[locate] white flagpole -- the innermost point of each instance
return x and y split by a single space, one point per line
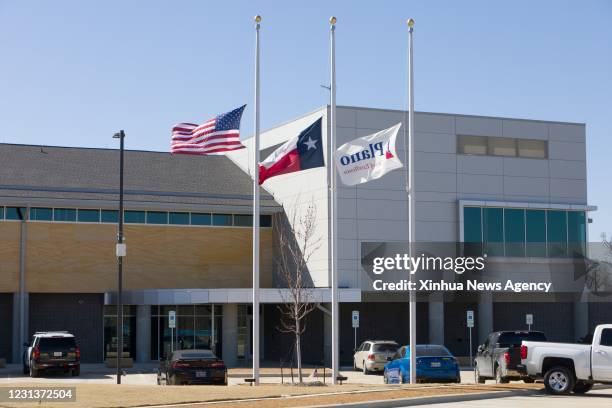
410 188
255 334
335 335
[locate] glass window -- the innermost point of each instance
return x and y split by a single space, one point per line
157 217
502 146
493 231
134 217
576 234
1 213
89 215
110 216
556 229
179 218
472 144
200 219
243 220
535 221
534 149
472 230
15 213
606 338
265 221
222 219
64 214
514 231
41 214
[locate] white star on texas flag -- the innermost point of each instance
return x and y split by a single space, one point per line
312 144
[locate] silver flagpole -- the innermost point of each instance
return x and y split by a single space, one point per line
411 201
335 340
255 339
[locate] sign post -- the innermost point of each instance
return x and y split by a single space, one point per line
529 320
470 325
172 326
355 321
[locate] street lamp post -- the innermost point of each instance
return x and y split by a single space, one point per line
120 252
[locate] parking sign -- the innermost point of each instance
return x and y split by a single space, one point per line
529 319
172 319
355 318
470 318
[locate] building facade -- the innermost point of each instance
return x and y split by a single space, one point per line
514 189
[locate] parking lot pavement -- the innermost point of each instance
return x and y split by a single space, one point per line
142 374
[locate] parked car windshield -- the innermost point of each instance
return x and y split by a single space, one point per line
516 338
432 351
385 347
56 343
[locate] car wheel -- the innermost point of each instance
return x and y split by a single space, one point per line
26 370
365 369
582 387
385 379
559 381
477 378
33 371
499 378
355 365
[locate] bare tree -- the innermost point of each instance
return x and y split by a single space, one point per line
297 243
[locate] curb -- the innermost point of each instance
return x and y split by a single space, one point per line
441 399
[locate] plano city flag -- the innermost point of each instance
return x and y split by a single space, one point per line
368 157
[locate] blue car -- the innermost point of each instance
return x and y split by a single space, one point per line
434 364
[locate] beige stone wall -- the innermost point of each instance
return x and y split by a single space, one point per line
81 257
9 256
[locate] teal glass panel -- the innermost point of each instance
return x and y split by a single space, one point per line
89 215
243 220
157 217
200 219
111 216
15 213
535 221
179 218
472 231
556 233
1 213
576 234
64 214
493 231
514 231
134 217
41 214
222 219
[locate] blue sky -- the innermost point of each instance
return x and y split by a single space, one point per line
73 72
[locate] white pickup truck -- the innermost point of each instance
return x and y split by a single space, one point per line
568 367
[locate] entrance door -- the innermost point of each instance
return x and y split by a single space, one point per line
249 349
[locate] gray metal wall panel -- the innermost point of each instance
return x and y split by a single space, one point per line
79 313
6 333
555 319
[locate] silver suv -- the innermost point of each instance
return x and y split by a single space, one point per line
372 355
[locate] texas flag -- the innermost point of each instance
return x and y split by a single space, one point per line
304 151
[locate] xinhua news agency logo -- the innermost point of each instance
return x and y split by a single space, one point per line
373 150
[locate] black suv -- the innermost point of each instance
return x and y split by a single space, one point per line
52 351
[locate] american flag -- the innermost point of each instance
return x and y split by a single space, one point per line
215 136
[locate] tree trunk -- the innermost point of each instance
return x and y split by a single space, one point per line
298 350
